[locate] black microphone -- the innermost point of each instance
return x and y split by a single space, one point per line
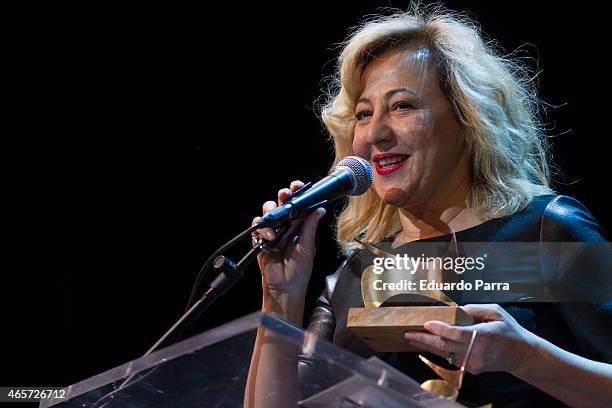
352 176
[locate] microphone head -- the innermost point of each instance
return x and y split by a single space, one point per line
361 171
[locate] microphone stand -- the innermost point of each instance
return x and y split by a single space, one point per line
229 274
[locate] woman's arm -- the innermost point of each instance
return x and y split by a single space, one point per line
574 380
504 345
273 380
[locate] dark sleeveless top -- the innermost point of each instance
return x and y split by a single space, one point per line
581 328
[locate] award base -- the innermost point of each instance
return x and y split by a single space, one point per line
383 328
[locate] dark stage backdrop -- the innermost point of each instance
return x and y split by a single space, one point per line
148 134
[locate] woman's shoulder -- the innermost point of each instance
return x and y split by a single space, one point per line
563 219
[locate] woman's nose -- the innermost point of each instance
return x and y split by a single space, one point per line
379 132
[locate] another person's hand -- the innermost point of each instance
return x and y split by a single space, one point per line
502 343
285 274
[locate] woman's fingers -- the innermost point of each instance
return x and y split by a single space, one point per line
267 233
455 348
494 349
268 206
296 185
286 193
309 227
454 333
485 313
283 195
441 345
255 235
438 345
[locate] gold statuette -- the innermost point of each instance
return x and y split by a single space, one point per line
389 312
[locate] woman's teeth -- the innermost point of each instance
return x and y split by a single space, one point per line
390 161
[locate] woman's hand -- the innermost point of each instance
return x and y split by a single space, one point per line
501 345
285 274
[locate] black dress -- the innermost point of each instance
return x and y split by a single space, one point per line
582 328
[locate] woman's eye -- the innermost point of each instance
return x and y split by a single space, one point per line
362 115
402 106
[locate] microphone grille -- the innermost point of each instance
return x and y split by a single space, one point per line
361 170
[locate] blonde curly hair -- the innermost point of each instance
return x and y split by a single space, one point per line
493 97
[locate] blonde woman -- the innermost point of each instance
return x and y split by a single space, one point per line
451 129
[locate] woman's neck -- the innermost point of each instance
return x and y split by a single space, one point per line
450 213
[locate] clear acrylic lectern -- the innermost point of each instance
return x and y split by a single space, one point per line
211 369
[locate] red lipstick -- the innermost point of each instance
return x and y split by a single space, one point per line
387 163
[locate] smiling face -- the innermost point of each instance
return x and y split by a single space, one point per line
408 131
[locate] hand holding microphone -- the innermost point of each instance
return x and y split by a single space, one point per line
286 271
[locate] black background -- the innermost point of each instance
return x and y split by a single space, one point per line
148 134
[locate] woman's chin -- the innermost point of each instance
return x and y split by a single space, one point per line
395 197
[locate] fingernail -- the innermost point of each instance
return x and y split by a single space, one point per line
409 336
432 323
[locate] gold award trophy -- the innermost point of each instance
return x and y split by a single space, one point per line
388 314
